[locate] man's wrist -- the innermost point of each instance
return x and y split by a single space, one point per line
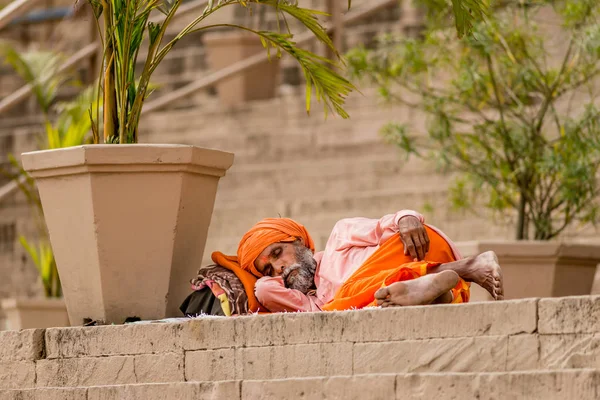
401 216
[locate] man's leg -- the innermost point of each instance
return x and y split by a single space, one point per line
431 288
482 269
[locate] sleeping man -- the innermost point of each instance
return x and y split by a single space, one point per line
397 260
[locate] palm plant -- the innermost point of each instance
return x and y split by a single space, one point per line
126 23
71 127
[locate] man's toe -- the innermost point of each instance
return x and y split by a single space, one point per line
382 293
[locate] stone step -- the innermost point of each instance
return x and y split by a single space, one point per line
580 384
519 335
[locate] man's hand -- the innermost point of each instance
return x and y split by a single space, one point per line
414 237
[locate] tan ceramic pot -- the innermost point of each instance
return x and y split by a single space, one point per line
541 269
127 223
34 313
257 83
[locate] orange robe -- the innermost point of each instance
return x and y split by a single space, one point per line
388 265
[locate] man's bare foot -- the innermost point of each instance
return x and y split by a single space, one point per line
446 298
485 271
418 291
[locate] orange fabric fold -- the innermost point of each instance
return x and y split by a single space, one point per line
265 233
248 280
388 265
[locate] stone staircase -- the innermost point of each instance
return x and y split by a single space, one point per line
523 349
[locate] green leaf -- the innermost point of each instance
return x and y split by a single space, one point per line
467 13
97 7
495 113
40 69
330 87
153 31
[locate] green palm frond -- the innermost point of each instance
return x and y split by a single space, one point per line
73 124
467 13
40 69
43 259
330 88
126 23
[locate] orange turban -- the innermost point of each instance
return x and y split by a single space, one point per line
264 234
258 238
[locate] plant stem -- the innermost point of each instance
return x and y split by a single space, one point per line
110 110
521 220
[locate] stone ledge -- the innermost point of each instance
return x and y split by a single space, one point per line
27 345
17 374
113 340
476 354
179 391
467 355
502 336
92 371
578 314
370 325
580 384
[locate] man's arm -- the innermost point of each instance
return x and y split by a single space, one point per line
365 232
272 293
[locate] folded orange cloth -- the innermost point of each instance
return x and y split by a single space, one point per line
388 265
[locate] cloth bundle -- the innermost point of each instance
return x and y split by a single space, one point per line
224 285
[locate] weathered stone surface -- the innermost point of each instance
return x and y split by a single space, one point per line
45 394
433 355
305 389
112 340
74 372
297 328
210 333
342 388
556 385
523 353
181 391
360 387
570 351
546 385
580 314
372 325
502 318
447 321
17 374
26 345
210 365
158 368
303 360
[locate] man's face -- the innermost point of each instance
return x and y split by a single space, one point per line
292 261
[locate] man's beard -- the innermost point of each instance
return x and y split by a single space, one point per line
305 266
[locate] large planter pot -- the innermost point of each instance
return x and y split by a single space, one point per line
127 223
257 83
34 313
541 269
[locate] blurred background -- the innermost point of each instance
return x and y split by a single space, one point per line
313 168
